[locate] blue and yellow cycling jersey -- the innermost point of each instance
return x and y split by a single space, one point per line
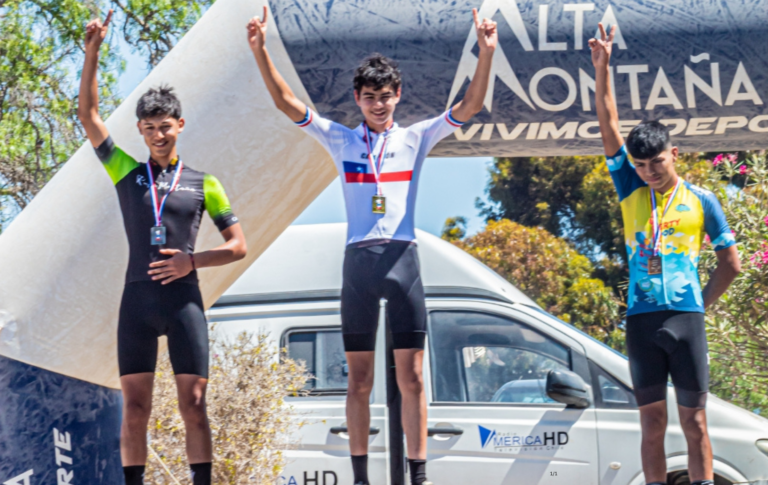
693 212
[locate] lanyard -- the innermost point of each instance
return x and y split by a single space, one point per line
157 208
656 221
382 154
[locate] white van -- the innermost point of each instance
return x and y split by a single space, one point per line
498 371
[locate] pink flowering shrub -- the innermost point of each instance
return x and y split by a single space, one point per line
760 258
738 322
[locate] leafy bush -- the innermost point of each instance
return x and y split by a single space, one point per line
250 422
738 330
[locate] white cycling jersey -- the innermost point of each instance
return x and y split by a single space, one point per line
406 150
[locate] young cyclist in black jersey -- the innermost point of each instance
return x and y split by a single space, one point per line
381 260
665 219
162 202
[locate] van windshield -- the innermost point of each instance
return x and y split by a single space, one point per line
580 331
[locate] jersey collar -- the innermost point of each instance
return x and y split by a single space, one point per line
360 130
156 166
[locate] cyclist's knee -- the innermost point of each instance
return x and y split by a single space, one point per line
654 420
136 411
694 424
410 382
360 383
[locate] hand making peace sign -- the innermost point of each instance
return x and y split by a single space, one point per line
257 31
95 32
487 35
601 49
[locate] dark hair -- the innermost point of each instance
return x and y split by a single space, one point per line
648 139
158 101
377 71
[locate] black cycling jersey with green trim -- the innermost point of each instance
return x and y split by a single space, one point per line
196 191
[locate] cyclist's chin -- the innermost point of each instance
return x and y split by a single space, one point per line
161 151
656 183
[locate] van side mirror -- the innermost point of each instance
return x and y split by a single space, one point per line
568 388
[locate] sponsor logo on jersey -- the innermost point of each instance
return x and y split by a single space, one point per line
141 180
645 284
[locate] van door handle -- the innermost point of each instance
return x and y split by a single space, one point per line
451 431
343 429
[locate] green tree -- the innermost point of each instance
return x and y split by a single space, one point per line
550 271
153 27
536 191
38 124
455 228
40 57
738 322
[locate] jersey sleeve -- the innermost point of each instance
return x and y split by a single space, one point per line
330 134
435 129
217 203
117 163
715 224
623 173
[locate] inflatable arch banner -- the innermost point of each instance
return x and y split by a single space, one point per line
700 67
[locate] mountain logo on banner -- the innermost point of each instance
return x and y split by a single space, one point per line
501 67
22 479
486 435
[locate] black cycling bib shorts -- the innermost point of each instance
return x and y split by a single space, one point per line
389 270
667 344
148 308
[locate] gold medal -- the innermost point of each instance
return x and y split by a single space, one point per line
379 204
654 265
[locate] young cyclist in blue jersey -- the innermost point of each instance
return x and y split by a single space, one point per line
379 163
162 203
665 220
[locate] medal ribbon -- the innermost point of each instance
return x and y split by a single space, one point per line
656 220
157 208
382 154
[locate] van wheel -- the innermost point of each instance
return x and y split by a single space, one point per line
681 478
678 478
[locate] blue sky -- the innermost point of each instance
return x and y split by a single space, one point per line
448 186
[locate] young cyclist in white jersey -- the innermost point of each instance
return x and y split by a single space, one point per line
379 163
665 219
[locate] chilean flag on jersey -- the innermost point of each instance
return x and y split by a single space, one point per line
357 173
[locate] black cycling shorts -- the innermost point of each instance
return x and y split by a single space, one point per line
669 343
149 310
388 270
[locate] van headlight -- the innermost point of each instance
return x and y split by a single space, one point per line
762 445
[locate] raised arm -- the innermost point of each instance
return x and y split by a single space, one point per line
281 93
487 38
607 114
88 106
